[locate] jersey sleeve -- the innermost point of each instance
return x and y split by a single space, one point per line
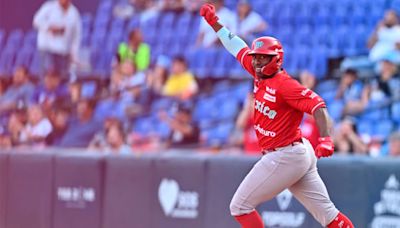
245 60
301 98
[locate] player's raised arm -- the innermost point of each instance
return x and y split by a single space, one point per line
231 42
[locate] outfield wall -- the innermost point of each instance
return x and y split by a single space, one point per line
176 190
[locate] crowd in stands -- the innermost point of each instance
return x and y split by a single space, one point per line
153 101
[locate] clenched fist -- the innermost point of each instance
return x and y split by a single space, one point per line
208 12
325 147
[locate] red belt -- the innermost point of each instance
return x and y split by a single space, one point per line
296 142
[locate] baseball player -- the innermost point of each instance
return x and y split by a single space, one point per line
289 160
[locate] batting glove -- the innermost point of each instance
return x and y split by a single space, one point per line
208 12
325 147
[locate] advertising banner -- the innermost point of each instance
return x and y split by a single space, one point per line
78 189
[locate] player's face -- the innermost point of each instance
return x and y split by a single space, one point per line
259 61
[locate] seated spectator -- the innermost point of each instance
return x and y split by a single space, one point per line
82 127
385 40
51 90
347 139
157 76
59 119
37 128
351 92
15 126
181 83
207 37
309 127
248 22
193 6
184 132
74 92
111 139
387 84
135 51
5 141
19 93
176 6
394 144
244 135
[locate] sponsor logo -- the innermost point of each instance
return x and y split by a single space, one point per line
76 197
270 90
310 93
264 109
259 44
264 132
176 203
269 97
387 210
284 218
231 35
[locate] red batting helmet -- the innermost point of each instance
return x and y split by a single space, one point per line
267 45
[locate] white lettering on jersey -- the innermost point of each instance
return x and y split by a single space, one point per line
264 109
311 95
264 132
269 97
270 90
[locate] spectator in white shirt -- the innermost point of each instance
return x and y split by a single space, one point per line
37 128
385 40
248 22
59 34
207 37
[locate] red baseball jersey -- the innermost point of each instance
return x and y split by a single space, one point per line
279 105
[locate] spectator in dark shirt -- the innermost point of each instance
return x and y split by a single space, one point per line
59 119
83 127
184 132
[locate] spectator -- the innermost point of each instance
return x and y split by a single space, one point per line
59 35
15 126
309 127
352 92
245 135
37 128
385 40
181 83
193 6
5 141
176 6
59 120
248 22
100 138
51 90
388 84
135 51
347 139
207 37
157 76
184 132
82 127
394 144
19 93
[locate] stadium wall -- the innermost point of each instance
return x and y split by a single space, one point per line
81 190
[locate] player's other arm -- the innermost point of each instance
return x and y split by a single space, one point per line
231 42
325 147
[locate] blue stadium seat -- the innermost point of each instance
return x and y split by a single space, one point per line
219 135
201 61
318 63
383 129
2 37
396 112
144 126
364 128
228 109
375 111
134 22
335 109
327 85
14 40
205 109
223 62
7 61
34 67
24 57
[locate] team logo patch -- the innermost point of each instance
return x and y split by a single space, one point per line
259 44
